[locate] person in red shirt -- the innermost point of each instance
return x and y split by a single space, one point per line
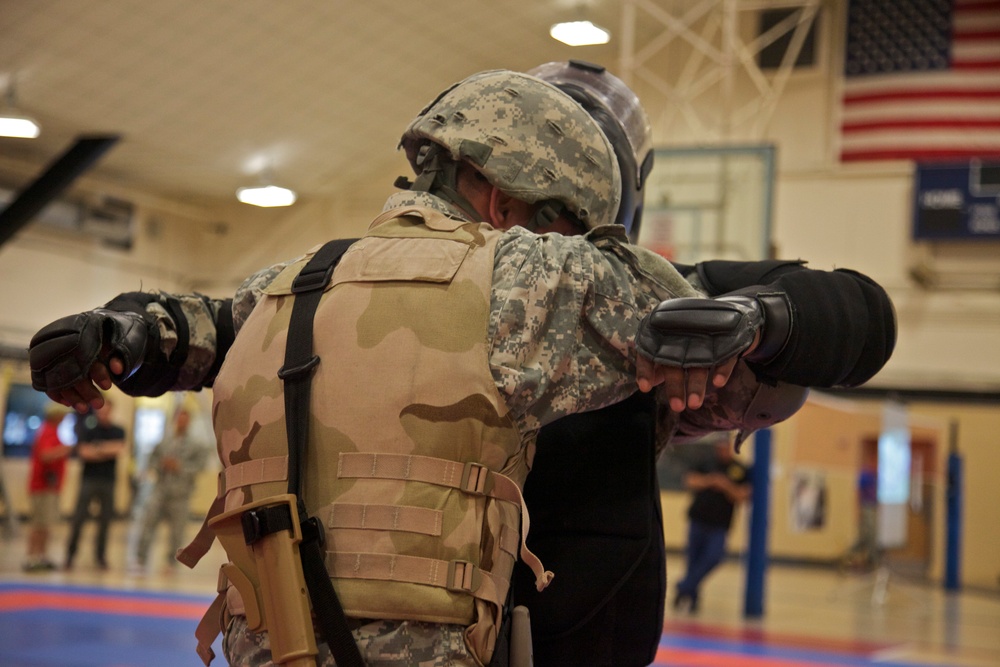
48 465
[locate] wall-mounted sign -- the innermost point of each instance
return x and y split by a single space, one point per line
957 201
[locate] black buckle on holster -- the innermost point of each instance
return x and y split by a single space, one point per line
312 531
264 521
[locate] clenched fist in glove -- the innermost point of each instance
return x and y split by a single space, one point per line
69 356
704 336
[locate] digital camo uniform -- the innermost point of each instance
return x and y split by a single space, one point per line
385 643
548 149
171 496
443 275
545 320
718 413
201 314
521 266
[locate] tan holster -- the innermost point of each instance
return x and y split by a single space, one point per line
266 569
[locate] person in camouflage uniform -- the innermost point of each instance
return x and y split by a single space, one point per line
561 311
175 462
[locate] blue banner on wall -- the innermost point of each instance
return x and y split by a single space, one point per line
957 201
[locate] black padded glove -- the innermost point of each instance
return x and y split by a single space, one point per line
61 353
699 333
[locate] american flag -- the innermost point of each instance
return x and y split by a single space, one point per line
922 80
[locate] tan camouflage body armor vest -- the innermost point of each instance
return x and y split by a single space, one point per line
413 466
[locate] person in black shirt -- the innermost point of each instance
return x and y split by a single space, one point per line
593 493
98 448
719 486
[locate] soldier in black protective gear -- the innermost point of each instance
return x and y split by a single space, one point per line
596 514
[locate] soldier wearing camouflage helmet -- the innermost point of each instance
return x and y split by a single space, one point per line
534 150
444 339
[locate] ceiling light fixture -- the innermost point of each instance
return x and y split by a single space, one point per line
579 33
14 123
266 196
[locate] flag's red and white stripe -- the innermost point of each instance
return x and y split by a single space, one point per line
939 114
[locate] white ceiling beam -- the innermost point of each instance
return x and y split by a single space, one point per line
717 58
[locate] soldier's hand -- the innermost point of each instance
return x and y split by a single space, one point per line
74 356
690 345
685 387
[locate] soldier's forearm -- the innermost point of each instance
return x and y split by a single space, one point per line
195 332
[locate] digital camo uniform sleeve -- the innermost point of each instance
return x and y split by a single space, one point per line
194 331
201 315
564 314
250 291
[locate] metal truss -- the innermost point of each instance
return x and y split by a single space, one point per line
714 60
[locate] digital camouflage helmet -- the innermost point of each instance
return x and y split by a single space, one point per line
527 138
617 109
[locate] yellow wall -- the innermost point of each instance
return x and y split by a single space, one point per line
978 444
827 435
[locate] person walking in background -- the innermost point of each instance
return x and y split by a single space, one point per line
864 553
98 448
175 463
719 486
48 467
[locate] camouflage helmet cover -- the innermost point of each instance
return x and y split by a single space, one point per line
602 88
528 138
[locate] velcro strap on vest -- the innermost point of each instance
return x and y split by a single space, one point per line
271 469
202 542
473 478
386 517
455 575
256 471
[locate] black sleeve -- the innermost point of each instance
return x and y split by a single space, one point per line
843 323
225 333
158 373
720 276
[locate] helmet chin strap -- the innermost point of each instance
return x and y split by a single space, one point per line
545 215
439 177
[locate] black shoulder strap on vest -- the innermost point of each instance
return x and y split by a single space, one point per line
300 362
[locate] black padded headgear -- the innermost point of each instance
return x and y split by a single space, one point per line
617 110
